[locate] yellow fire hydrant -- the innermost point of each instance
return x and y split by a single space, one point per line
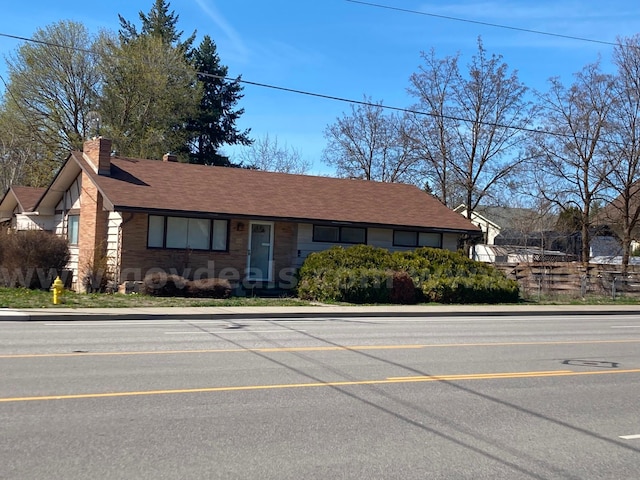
57 288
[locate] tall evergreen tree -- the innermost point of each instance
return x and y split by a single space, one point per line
159 22
214 125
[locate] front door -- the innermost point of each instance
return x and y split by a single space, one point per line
260 253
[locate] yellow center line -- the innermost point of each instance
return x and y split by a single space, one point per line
313 349
468 376
438 378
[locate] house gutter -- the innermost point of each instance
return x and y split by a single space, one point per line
317 221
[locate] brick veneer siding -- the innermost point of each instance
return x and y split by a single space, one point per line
137 260
92 234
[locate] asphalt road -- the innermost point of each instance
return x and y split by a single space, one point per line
376 398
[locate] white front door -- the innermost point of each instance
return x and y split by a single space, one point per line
260 252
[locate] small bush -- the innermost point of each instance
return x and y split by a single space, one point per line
97 274
161 284
208 288
32 258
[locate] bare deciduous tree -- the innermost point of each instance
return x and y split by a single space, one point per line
472 133
371 145
571 157
433 134
623 213
269 155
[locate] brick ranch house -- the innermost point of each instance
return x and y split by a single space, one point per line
245 225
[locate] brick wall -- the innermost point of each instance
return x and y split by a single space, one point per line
285 252
92 234
137 260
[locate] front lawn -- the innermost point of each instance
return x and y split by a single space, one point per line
25 298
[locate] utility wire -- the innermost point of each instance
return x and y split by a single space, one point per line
296 91
340 99
486 24
403 110
49 44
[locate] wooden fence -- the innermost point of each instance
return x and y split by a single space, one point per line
573 279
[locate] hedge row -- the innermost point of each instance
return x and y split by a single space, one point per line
366 274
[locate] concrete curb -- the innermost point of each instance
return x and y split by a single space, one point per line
8 315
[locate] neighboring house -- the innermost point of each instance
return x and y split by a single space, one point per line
245 225
611 218
490 230
517 254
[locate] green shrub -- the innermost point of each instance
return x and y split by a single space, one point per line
358 256
353 285
364 285
208 288
475 289
32 258
365 274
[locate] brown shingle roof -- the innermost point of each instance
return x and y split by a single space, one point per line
27 197
155 185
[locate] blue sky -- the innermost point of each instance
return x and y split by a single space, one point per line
343 49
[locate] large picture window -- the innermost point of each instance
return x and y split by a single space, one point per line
187 233
408 238
333 234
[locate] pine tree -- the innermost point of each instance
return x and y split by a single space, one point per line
214 125
159 22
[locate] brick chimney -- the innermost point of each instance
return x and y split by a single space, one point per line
97 152
168 157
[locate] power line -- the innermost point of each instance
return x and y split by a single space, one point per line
333 97
403 110
49 44
486 24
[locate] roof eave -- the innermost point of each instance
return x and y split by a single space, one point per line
188 213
